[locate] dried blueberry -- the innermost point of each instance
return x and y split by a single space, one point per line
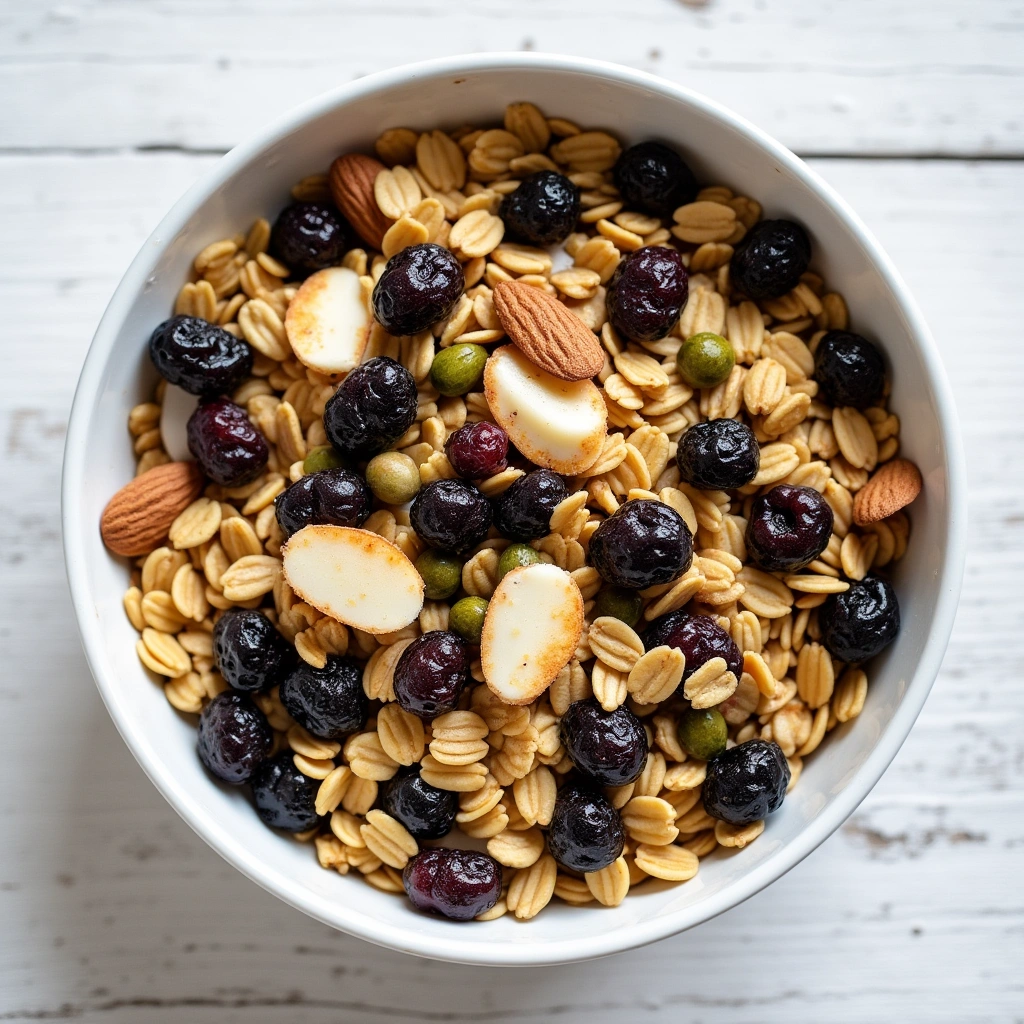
234 737
609 747
647 293
329 702
420 285
642 544
770 259
199 357
788 528
586 832
477 450
859 623
718 455
432 673
284 797
251 654
746 783
460 884
308 237
339 497
523 511
451 515
426 812
699 637
542 210
228 448
655 178
375 405
849 370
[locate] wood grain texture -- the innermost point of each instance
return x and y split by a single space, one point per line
111 910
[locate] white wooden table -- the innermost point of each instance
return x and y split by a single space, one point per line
111 910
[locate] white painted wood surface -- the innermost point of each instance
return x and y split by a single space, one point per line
111 910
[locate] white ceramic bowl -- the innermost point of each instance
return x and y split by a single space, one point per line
253 180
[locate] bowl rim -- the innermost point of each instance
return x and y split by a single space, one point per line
470 950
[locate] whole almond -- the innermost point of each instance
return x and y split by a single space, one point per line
137 518
547 333
895 485
351 183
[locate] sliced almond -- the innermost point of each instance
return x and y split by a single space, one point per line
558 424
895 485
327 322
354 576
533 624
175 411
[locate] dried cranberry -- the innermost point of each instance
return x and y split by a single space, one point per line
284 797
199 357
609 747
451 515
327 701
523 511
699 637
425 811
644 543
308 237
859 623
432 673
770 260
655 178
228 448
234 737
251 654
788 528
542 210
420 285
849 370
460 884
375 405
647 293
718 455
338 496
477 450
586 832
747 783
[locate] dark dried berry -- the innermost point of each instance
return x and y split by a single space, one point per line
523 511
375 405
339 497
788 528
644 543
770 259
655 178
609 747
284 797
432 673
426 812
199 357
234 737
308 237
542 210
477 450
420 285
586 832
329 702
699 637
451 515
717 455
228 448
647 293
251 654
747 783
859 623
849 370
460 884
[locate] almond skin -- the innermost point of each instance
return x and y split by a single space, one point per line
894 486
549 335
351 181
137 518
